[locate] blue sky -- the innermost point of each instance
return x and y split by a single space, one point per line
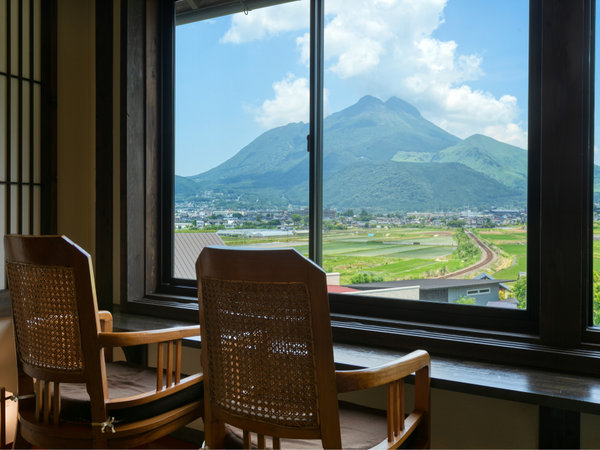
462 63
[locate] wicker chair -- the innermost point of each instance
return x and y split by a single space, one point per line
69 396
268 364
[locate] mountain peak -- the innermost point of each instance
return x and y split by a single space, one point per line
369 100
393 104
478 137
396 104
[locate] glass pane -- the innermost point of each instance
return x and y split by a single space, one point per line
2 233
3 115
25 132
37 151
37 209
37 40
3 41
425 160
14 32
14 129
242 108
14 209
26 210
25 33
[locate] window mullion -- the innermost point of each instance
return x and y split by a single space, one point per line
564 145
315 138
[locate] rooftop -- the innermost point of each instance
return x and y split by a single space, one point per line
427 283
187 248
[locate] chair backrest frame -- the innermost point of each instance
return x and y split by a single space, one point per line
275 266
60 252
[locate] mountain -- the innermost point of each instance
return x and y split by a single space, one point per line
401 186
504 163
372 130
382 155
185 187
274 152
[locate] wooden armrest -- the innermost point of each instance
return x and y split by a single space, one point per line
106 325
125 338
106 320
353 380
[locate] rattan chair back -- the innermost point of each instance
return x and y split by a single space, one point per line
45 317
267 350
54 309
55 317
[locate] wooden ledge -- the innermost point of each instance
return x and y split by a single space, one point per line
516 383
520 384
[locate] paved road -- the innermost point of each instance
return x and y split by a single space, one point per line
487 256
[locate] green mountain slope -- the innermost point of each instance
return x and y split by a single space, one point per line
381 155
501 162
417 186
372 130
185 187
273 152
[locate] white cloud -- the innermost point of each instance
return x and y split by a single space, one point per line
291 103
264 22
387 48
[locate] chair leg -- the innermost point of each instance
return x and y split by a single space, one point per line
214 434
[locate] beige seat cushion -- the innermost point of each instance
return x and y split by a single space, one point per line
124 380
361 427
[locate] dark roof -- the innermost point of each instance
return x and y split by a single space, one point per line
487 276
187 248
426 283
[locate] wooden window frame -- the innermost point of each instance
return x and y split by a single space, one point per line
554 332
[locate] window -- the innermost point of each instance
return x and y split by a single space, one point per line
559 218
478 291
23 177
242 170
425 138
241 165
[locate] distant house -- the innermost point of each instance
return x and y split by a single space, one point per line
187 248
183 225
255 233
436 289
487 276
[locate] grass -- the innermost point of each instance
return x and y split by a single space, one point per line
404 253
596 256
512 244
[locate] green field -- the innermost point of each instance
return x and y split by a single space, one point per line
405 253
512 244
411 253
596 260
390 254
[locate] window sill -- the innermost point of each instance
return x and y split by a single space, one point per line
504 347
513 349
547 388
515 383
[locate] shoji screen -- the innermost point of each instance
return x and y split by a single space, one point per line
20 119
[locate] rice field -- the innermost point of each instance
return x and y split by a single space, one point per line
404 253
512 244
